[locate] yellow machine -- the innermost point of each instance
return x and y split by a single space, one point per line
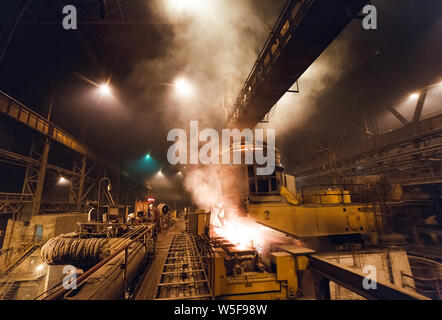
311 220
272 200
318 212
279 284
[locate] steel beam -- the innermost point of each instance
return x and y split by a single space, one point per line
399 116
35 121
417 138
302 32
325 271
420 105
41 177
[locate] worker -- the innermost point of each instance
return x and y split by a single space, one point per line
156 218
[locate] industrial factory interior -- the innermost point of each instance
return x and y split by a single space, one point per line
219 151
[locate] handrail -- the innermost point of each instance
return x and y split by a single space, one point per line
273 37
325 271
4 196
435 281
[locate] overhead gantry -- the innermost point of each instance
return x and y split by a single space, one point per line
303 31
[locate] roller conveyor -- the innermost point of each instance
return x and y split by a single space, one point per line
183 276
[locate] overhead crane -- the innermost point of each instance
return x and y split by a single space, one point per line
302 32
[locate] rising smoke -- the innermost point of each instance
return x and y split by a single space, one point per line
213 44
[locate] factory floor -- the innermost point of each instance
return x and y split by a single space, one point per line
150 279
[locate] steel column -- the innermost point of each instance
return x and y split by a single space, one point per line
41 177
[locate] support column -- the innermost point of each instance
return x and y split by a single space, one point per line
322 287
41 177
81 183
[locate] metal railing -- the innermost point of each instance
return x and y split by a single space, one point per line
20 112
15 197
270 51
32 119
429 287
346 192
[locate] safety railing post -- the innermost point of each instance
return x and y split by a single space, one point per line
125 273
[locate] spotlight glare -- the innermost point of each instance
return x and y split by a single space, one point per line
62 181
414 95
105 89
194 7
183 88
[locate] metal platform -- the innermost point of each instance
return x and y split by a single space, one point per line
183 276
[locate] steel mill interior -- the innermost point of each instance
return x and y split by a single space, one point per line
220 150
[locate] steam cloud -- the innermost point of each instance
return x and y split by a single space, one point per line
213 44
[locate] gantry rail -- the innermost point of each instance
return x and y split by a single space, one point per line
303 31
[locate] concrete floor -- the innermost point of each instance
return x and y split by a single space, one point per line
150 279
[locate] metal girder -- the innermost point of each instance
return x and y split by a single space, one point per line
401 148
77 181
41 177
325 271
12 202
35 121
21 160
399 116
420 105
303 31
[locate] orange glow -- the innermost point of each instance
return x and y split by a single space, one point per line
243 232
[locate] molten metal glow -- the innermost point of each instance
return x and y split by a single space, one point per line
240 231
